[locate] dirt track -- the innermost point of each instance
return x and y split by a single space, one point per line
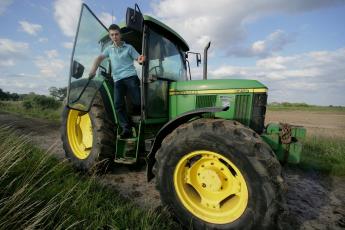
315 201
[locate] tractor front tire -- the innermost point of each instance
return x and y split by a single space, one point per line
219 174
88 138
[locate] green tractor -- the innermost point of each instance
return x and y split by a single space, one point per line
204 141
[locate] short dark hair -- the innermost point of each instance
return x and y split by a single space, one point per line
114 27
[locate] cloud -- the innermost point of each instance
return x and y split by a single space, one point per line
314 77
66 14
6 63
67 45
49 65
42 39
223 21
106 19
314 65
4 4
12 49
18 83
30 28
52 71
273 43
25 83
51 53
10 53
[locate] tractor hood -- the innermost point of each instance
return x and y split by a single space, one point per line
217 86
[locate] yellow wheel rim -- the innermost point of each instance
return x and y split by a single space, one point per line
79 132
211 187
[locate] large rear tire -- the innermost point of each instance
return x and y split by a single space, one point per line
219 174
88 138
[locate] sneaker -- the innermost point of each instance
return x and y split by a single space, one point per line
125 134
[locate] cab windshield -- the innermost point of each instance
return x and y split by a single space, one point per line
165 58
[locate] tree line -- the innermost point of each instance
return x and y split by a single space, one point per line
58 94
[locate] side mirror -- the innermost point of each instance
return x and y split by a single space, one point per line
77 70
198 59
197 55
134 18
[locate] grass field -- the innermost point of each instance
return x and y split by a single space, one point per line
326 155
285 106
18 108
39 192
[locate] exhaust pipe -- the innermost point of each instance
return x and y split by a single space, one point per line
205 60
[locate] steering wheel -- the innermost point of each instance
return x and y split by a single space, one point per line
155 69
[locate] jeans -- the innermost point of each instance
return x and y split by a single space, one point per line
127 86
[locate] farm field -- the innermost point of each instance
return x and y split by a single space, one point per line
316 189
320 123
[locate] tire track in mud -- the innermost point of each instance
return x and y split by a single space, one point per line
315 201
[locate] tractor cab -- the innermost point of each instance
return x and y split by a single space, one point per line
165 62
163 48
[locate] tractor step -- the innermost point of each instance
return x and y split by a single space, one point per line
126 148
126 160
128 140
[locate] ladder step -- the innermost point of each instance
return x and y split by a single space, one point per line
126 160
136 119
128 140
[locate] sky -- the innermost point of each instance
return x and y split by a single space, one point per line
296 47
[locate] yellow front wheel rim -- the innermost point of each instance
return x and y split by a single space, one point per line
79 132
211 187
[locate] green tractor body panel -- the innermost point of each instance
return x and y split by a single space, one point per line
247 104
237 94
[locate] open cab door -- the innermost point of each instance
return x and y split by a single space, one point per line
81 88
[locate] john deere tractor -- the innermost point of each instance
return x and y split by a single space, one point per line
204 141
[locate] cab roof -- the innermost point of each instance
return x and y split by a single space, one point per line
161 28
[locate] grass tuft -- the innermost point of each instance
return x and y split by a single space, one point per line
17 107
38 191
324 154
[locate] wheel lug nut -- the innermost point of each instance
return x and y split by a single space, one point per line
203 185
212 163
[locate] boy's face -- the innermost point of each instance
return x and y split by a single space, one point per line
115 36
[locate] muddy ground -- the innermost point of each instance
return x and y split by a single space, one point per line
314 201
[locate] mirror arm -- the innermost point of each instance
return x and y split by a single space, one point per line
135 8
190 76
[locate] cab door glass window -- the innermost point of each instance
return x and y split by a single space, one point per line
165 59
